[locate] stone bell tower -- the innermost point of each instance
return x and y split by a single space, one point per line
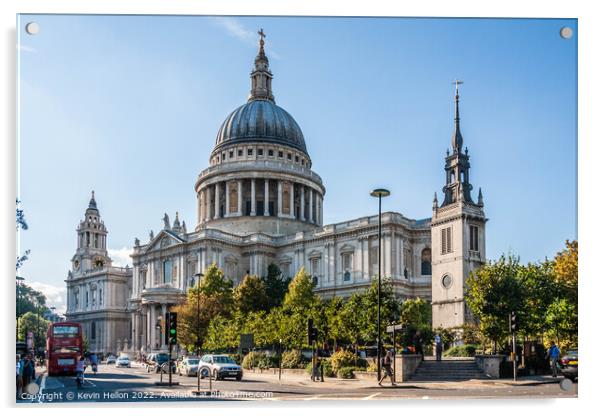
457 235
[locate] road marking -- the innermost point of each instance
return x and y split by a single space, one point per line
370 397
42 387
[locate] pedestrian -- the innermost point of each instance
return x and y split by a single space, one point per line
552 355
438 347
386 367
19 377
29 370
418 344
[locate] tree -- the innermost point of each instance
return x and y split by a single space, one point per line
389 310
30 300
250 295
416 315
493 291
561 318
566 269
276 286
37 325
300 295
21 224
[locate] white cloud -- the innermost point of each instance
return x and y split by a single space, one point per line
235 29
121 256
55 295
25 48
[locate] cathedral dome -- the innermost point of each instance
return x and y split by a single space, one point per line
260 120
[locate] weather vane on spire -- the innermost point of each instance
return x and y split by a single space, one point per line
457 83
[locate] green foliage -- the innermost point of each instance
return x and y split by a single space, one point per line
257 359
30 300
250 295
416 315
345 372
300 295
327 366
561 320
293 359
35 323
493 292
276 286
467 350
344 358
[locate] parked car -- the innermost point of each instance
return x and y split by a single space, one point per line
569 364
189 366
123 361
219 367
158 362
111 359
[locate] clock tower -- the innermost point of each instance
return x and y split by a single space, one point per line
457 236
91 253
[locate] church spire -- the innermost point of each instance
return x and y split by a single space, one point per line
457 137
261 77
92 204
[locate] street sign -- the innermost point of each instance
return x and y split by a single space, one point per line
394 328
246 341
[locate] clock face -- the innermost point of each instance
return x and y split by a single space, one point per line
446 281
76 264
99 263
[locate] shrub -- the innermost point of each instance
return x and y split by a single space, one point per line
293 359
236 357
467 350
328 372
345 372
372 366
252 359
343 358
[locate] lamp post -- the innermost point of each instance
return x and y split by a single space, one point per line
198 334
379 193
19 280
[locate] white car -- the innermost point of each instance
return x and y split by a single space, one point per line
219 367
111 359
123 361
189 366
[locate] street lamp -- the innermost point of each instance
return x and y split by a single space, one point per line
198 312
379 193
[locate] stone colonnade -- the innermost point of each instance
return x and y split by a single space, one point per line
248 197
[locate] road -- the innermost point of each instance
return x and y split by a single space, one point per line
134 384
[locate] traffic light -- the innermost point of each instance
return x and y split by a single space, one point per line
513 322
312 333
171 332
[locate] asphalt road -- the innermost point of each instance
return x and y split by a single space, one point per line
134 384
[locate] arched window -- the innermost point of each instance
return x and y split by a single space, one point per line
452 177
93 330
425 268
167 271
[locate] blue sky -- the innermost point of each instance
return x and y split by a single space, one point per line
130 105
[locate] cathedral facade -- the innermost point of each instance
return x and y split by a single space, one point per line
260 202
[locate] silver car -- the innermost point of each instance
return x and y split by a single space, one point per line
189 366
219 366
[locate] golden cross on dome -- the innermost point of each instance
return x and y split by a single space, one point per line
261 34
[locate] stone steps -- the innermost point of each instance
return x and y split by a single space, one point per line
448 370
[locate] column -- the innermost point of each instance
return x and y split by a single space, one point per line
366 258
302 211
133 334
387 255
311 202
163 312
207 203
151 326
266 197
216 216
253 201
279 198
327 276
239 185
227 214
292 199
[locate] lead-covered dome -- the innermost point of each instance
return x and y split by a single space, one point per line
260 120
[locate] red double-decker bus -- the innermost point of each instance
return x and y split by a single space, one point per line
64 343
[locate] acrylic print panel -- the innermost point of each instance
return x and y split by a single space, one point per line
326 199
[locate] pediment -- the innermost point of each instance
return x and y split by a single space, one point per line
164 240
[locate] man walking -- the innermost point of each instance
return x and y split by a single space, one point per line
386 367
553 354
438 347
29 370
418 344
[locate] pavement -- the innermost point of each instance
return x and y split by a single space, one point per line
134 384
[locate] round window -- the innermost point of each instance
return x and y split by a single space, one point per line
446 281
